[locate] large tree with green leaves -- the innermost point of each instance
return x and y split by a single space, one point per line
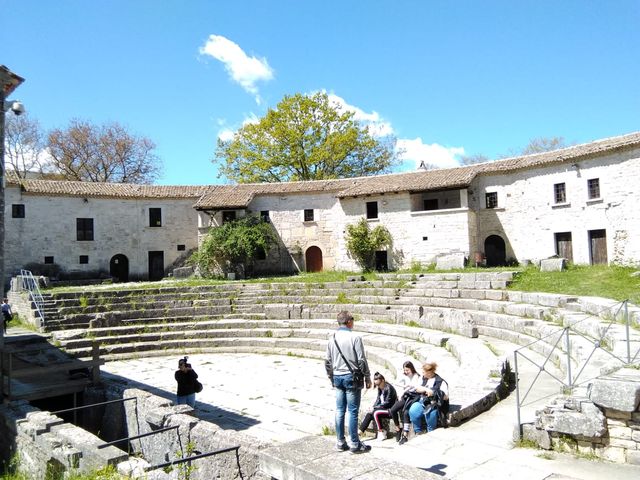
363 243
233 245
306 137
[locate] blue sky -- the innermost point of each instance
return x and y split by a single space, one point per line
445 77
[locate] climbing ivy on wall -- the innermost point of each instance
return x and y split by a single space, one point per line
363 243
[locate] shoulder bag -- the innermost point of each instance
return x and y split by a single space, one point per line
358 375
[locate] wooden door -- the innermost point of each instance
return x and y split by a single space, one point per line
313 259
156 265
598 246
564 245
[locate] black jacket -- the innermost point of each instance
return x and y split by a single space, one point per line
390 397
186 382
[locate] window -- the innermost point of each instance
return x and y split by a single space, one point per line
491 199
84 229
181 248
48 260
559 193
594 188
228 216
372 209
84 259
308 215
17 210
155 217
264 215
430 204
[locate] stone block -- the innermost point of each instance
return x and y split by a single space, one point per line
183 272
553 264
614 454
587 420
450 261
540 437
633 457
617 391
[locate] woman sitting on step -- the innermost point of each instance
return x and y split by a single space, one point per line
408 381
434 404
385 399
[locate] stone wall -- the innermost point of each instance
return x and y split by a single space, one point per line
120 226
44 442
151 412
605 424
527 216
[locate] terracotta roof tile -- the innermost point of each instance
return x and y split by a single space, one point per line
239 196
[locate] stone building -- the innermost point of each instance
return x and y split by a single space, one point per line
579 202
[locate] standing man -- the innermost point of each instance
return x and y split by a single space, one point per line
345 346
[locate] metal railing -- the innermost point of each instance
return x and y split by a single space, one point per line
30 284
599 343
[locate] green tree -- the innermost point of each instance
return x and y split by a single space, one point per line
233 245
304 138
363 243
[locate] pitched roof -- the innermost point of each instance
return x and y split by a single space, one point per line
211 197
109 190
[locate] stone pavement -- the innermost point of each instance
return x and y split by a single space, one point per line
281 399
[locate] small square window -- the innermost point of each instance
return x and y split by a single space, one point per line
308 215
84 259
594 188
84 229
17 210
228 216
372 210
181 248
491 199
48 260
559 193
264 215
155 217
430 203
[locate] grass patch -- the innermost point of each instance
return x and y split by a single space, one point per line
595 280
328 430
526 443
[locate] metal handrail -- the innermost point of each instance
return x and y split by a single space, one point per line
571 381
30 284
195 457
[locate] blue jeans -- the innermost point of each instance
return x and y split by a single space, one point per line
416 414
347 398
187 400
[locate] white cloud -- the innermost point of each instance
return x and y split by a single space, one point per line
226 133
377 126
431 154
243 69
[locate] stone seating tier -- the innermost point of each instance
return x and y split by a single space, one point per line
402 319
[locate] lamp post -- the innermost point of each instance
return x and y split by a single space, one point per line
9 81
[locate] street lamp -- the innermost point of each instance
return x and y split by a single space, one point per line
9 81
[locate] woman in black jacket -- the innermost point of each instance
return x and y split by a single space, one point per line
187 383
385 399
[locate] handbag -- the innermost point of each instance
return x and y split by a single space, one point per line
358 375
198 386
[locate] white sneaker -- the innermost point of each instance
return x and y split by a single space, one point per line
381 436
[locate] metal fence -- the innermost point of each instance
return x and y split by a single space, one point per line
576 372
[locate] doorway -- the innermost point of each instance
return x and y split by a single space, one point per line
598 246
564 246
382 264
156 265
495 251
313 259
119 268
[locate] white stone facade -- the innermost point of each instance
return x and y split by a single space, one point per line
120 227
581 204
